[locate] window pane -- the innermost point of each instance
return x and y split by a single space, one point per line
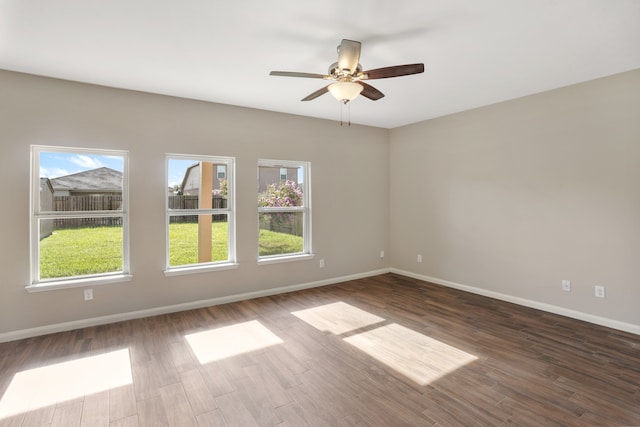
89 184
80 182
185 245
221 170
277 192
280 233
80 246
186 179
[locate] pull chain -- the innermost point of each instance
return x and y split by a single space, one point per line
348 104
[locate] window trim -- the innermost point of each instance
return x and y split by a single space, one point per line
230 211
305 209
36 284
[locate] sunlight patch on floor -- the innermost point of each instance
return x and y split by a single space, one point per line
414 355
417 356
337 318
48 385
228 341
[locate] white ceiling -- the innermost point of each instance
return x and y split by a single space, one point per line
476 52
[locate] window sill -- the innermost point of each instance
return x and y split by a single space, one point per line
284 258
180 271
78 283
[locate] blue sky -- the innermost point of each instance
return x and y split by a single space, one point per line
53 165
177 168
56 164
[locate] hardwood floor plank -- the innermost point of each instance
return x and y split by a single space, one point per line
95 410
211 419
152 413
256 398
130 421
68 414
181 356
122 403
39 417
197 392
13 421
177 407
234 411
215 377
615 411
261 376
150 376
528 368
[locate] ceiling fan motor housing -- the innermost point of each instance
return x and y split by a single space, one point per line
338 74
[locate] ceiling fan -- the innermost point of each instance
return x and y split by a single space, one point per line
348 76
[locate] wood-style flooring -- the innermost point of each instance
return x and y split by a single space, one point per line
381 351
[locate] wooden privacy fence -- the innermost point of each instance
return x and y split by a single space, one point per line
113 202
103 202
191 202
282 222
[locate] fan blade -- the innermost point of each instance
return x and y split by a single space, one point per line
316 94
348 55
370 92
296 74
395 71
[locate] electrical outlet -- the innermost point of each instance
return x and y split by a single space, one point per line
381 254
566 285
88 294
419 259
321 263
599 291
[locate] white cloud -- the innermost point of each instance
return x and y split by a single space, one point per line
53 172
86 161
175 180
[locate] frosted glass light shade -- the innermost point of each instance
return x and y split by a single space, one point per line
345 91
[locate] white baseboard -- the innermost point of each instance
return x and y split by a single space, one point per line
603 321
113 318
95 321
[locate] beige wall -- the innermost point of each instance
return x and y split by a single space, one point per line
507 199
515 197
36 110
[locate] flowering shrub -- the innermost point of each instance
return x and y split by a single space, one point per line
284 194
222 191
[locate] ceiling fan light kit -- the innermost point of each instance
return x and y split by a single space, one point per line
345 91
348 75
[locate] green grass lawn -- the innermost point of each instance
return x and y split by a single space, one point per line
183 243
272 243
95 250
81 251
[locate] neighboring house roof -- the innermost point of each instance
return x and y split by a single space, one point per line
186 175
99 180
46 182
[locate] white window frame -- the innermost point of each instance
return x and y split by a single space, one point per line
230 211
37 284
305 209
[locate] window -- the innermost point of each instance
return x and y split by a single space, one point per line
79 217
222 171
284 210
200 213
